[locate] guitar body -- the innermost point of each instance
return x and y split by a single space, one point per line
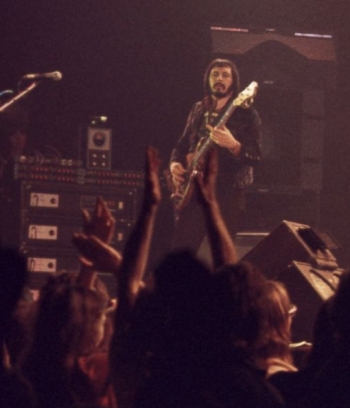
181 195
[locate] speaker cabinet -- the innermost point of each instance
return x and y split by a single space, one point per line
99 148
289 242
240 41
308 288
95 145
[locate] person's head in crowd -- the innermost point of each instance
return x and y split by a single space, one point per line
179 275
225 308
173 314
68 326
69 320
223 311
183 289
192 337
244 290
276 338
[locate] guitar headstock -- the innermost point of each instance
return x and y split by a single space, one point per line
246 97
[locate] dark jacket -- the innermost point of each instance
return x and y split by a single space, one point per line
245 126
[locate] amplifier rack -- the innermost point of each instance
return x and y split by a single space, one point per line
71 172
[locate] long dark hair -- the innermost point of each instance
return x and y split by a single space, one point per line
65 325
276 337
243 297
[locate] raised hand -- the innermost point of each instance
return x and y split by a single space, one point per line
223 137
206 183
152 193
178 173
97 254
221 244
100 223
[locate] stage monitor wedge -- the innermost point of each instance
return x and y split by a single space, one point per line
290 242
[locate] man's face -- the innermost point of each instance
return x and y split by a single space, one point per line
220 81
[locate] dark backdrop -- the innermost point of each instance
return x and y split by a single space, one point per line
134 61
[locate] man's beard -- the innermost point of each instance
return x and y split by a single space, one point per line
221 93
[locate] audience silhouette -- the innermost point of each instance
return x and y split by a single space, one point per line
188 335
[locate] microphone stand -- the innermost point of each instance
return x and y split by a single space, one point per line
19 96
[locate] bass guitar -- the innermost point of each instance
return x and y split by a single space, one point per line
182 193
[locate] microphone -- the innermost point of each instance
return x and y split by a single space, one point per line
53 76
7 92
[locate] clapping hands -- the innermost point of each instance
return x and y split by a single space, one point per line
100 222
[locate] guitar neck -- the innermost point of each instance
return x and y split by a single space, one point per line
208 142
224 118
201 151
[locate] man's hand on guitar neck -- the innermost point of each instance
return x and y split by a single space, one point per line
224 138
177 172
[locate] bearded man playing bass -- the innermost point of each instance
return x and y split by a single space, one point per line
236 133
